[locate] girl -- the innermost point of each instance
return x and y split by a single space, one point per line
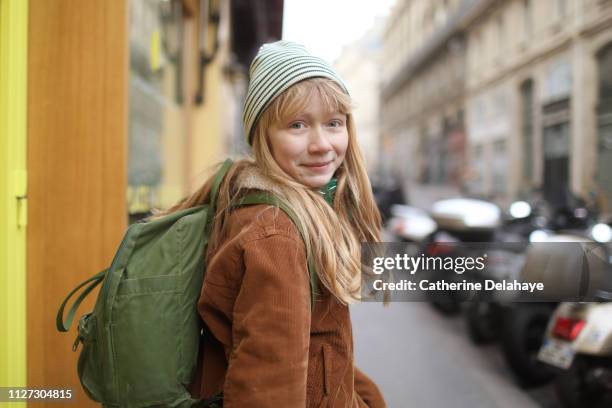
266 346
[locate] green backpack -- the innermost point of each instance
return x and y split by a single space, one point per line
140 343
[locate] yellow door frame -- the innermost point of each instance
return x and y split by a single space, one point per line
13 190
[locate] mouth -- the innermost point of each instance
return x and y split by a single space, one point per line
318 166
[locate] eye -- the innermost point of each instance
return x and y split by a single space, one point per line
297 125
336 123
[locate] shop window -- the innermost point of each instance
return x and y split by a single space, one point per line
156 123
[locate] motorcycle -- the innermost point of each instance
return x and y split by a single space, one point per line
430 233
484 313
411 225
388 195
478 224
459 220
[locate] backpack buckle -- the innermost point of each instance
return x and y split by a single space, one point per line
79 339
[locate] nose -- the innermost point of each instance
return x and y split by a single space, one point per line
319 141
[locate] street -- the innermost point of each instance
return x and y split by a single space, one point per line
422 359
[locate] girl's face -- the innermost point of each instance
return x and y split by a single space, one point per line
310 145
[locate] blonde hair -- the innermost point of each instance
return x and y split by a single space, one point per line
332 235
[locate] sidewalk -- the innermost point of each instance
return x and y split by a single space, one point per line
422 359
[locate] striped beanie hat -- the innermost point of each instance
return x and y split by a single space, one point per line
275 68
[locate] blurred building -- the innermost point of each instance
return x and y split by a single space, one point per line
424 90
188 78
501 97
538 112
359 65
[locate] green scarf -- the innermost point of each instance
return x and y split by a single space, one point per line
329 190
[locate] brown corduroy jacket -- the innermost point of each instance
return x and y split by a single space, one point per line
268 348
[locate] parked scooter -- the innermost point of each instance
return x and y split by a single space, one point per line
578 342
459 220
524 324
463 220
579 345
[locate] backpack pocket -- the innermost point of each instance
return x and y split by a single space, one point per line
89 365
146 340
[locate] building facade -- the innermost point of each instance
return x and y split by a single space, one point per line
538 83
423 91
359 65
529 83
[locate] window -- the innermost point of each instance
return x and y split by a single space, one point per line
527 19
501 46
477 182
558 81
475 50
155 95
527 108
500 167
556 141
562 8
428 18
604 126
556 162
500 105
440 16
481 109
605 74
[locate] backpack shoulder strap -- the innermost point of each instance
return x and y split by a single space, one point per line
214 192
267 198
218 178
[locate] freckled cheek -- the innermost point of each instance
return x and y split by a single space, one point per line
293 152
341 148
290 158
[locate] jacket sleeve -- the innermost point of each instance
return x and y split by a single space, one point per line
268 363
368 391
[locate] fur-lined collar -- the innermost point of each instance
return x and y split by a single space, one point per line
252 177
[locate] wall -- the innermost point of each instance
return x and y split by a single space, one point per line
77 151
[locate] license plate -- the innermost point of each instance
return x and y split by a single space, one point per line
557 353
